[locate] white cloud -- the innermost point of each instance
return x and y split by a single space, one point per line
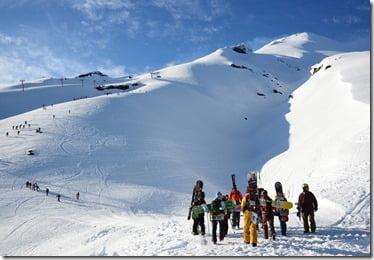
348 19
93 8
107 67
351 19
6 39
23 58
258 42
193 17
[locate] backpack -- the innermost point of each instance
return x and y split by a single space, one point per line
215 207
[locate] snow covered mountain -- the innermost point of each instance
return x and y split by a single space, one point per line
134 147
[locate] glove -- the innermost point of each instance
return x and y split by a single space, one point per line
298 214
189 217
315 210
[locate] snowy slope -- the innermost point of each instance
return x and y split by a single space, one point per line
134 155
330 141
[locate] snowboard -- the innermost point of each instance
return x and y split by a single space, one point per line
255 218
233 181
252 184
229 204
252 179
279 204
278 188
199 184
197 210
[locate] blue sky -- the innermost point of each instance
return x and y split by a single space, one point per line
64 38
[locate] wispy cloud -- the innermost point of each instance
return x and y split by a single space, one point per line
347 19
93 9
154 18
22 58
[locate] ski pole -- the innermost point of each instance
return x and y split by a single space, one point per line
207 216
232 221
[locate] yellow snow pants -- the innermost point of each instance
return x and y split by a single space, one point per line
250 229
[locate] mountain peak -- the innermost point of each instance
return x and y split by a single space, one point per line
241 48
299 44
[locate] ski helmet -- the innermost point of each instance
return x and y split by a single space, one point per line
219 195
305 185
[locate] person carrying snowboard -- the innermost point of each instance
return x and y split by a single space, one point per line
267 213
307 206
236 195
217 215
282 214
250 207
198 198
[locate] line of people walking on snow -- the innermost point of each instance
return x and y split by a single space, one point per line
35 187
219 215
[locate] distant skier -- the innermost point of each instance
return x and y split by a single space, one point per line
236 195
217 214
58 197
267 213
249 228
46 191
307 206
77 195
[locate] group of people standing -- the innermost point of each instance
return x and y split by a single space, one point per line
32 186
253 213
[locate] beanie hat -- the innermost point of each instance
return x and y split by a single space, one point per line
305 185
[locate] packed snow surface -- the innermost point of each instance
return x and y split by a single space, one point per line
135 153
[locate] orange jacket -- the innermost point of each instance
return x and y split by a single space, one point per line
237 196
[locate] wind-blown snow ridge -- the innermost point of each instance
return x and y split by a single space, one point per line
298 45
134 154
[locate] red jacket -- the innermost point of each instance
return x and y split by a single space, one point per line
237 196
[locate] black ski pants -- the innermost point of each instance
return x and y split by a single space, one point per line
221 230
198 221
226 224
236 219
309 216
